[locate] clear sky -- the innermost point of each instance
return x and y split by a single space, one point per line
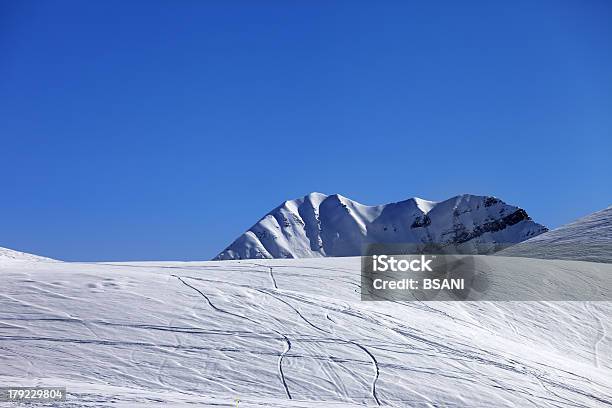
135 130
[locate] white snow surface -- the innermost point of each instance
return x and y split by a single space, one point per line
291 333
318 225
12 255
588 238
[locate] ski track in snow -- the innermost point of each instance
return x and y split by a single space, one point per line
272 278
370 355
603 334
375 367
286 340
130 334
280 366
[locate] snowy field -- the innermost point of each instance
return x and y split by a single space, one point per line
291 333
587 239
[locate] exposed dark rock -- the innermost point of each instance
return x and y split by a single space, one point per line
421 222
489 201
462 235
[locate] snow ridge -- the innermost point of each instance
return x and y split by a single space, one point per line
12 255
319 225
586 239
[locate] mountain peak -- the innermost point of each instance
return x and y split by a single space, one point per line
424 205
319 225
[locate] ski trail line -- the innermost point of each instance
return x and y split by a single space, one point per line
375 367
363 348
287 342
602 333
272 278
280 365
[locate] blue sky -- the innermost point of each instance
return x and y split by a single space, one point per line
136 130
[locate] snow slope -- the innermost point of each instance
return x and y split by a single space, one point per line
318 225
12 255
293 333
588 239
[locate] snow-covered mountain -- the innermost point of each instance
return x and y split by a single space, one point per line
587 239
10 254
319 225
